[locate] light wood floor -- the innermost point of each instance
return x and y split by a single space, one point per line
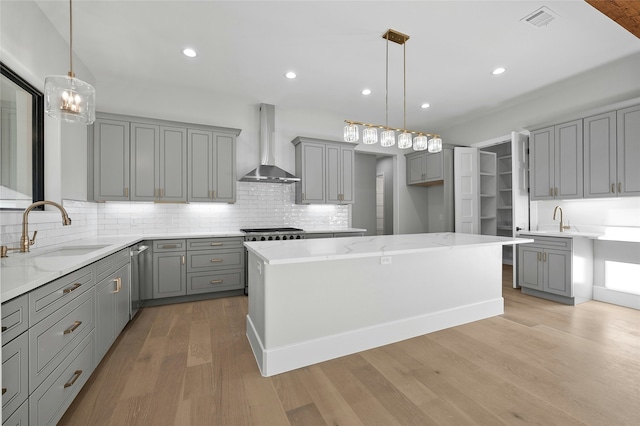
539 363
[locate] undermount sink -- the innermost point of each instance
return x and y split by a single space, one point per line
71 251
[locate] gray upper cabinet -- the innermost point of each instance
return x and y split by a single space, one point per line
140 159
212 166
556 162
612 154
158 163
425 168
326 170
111 160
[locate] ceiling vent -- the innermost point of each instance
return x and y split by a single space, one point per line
540 18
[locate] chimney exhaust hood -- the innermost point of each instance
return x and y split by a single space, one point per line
267 171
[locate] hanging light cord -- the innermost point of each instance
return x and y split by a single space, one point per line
404 71
71 74
386 99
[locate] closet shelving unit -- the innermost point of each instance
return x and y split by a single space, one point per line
504 202
488 193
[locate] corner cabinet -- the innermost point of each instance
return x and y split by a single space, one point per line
546 268
425 168
326 169
556 162
612 154
142 159
212 166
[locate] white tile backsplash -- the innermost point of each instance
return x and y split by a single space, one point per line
258 205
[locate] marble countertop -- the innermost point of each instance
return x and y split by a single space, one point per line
313 250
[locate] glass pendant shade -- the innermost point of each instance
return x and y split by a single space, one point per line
370 135
387 138
351 133
404 140
69 99
435 145
420 143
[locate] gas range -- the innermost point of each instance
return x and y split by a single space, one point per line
270 234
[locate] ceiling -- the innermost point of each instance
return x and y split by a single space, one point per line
336 48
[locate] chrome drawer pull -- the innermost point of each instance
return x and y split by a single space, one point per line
217 244
4 328
70 289
216 281
216 260
4 390
71 329
75 377
170 246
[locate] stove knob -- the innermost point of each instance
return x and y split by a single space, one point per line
262 238
270 238
284 237
254 239
297 237
278 237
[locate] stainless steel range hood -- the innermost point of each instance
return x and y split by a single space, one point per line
267 171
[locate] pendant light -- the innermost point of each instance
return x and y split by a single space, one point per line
387 137
66 97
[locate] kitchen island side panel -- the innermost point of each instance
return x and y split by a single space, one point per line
304 313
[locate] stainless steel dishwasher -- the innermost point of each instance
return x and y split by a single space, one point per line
140 267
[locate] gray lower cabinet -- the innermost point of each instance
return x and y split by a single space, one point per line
212 166
215 264
425 168
112 307
169 268
49 339
546 268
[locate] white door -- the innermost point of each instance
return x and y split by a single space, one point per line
465 166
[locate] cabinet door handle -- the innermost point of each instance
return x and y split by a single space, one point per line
75 377
211 194
613 188
170 246
216 281
556 191
216 260
183 259
550 192
4 328
216 244
544 256
539 256
4 390
303 196
214 194
620 187
118 282
155 192
126 192
70 289
71 329
161 192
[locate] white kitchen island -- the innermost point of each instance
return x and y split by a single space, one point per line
315 300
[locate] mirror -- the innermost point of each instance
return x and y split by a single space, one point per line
21 142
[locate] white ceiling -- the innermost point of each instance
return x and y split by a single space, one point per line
337 49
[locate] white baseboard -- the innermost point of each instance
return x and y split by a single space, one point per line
615 297
287 358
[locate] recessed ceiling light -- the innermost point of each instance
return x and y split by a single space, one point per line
425 106
189 52
290 75
366 92
499 70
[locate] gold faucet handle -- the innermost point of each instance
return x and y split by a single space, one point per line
32 241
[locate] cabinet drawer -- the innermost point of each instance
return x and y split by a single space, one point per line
49 298
160 246
208 282
49 402
15 319
214 243
19 418
560 243
54 338
215 259
15 378
109 264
